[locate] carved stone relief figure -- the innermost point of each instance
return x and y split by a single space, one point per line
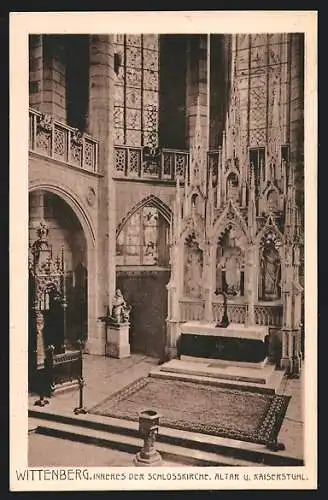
230 264
272 201
232 187
193 276
270 273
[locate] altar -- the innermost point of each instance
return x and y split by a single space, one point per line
237 343
234 281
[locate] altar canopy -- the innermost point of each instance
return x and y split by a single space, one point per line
236 234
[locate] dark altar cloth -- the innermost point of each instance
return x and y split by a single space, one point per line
225 348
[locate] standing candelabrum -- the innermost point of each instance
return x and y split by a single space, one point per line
224 323
81 409
148 456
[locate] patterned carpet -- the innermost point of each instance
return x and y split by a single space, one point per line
235 414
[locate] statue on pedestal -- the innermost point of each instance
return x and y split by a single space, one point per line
120 309
270 273
231 262
193 279
117 327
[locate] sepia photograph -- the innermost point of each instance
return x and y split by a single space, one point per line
165 256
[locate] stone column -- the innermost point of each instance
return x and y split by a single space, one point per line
101 104
291 352
251 273
197 85
35 71
36 210
174 292
297 316
54 78
286 330
296 111
209 253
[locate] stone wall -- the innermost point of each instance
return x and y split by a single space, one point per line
35 71
296 110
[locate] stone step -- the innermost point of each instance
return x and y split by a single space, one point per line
226 372
267 380
200 379
171 454
239 451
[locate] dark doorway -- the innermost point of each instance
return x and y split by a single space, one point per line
146 292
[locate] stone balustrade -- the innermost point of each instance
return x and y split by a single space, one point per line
61 142
156 163
265 315
150 163
191 310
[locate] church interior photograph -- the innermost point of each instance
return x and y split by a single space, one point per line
166 249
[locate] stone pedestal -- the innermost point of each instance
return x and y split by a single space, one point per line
117 344
172 329
291 351
148 456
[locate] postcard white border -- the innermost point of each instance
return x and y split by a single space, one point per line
23 24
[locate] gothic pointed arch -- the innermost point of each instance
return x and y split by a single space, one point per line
150 200
194 225
230 216
143 234
270 228
271 199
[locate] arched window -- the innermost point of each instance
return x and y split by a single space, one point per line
143 239
136 94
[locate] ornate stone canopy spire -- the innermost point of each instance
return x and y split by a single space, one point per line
198 156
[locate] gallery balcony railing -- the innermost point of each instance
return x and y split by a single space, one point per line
156 163
61 142
150 163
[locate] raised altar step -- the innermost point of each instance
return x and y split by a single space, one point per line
175 445
265 379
